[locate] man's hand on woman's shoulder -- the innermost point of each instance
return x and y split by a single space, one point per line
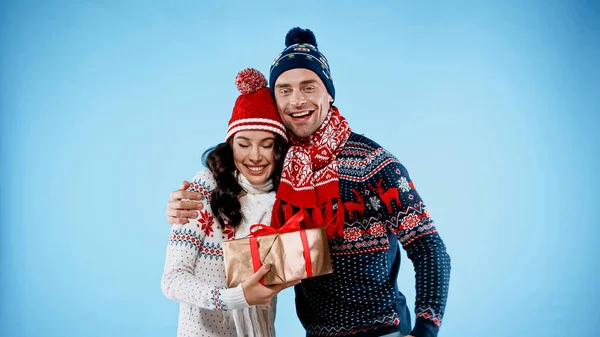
183 204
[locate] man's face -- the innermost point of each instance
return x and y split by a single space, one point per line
302 100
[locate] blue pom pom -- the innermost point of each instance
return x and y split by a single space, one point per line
299 35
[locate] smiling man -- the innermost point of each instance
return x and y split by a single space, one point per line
302 101
365 198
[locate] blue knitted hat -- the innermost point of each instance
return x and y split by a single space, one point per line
301 52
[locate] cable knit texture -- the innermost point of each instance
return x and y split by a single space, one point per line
194 273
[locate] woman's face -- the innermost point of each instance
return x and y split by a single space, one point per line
253 155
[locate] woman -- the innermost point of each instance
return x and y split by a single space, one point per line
239 191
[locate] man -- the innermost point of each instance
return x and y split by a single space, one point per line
365 198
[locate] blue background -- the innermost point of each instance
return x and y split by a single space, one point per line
107 106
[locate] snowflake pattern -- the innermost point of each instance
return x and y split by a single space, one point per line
352 234
403 184
374 201
228 232
301 173
330 137
377 229
207 222
409 222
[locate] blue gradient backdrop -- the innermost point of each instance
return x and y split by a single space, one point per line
106 106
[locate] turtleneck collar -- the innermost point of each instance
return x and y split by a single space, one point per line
254 189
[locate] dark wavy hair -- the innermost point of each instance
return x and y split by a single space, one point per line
224 198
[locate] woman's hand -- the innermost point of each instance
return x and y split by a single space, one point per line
255 293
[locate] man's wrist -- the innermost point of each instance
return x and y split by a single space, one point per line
424 328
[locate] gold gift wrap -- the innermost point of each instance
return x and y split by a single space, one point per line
283 251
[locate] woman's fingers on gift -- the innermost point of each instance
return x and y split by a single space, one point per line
254 292
264 269
282 286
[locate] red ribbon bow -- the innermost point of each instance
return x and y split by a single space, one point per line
292 225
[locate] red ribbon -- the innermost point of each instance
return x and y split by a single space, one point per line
292 225
306 251
255 256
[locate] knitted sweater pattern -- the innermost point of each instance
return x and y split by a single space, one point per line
194 272
383 212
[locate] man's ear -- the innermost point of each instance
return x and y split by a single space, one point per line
330 99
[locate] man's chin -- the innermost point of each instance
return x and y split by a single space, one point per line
300 132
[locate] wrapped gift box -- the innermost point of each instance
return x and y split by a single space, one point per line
294 253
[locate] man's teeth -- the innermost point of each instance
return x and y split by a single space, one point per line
301 114
256 168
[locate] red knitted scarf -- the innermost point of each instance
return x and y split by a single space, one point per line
310 178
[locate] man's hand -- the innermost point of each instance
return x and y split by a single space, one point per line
255 293
179 212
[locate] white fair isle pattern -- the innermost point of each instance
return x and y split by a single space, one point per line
194 273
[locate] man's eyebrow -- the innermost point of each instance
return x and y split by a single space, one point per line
287 85
308 82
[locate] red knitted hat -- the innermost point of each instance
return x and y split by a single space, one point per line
255 108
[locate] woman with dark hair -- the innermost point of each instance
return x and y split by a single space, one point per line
238 191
